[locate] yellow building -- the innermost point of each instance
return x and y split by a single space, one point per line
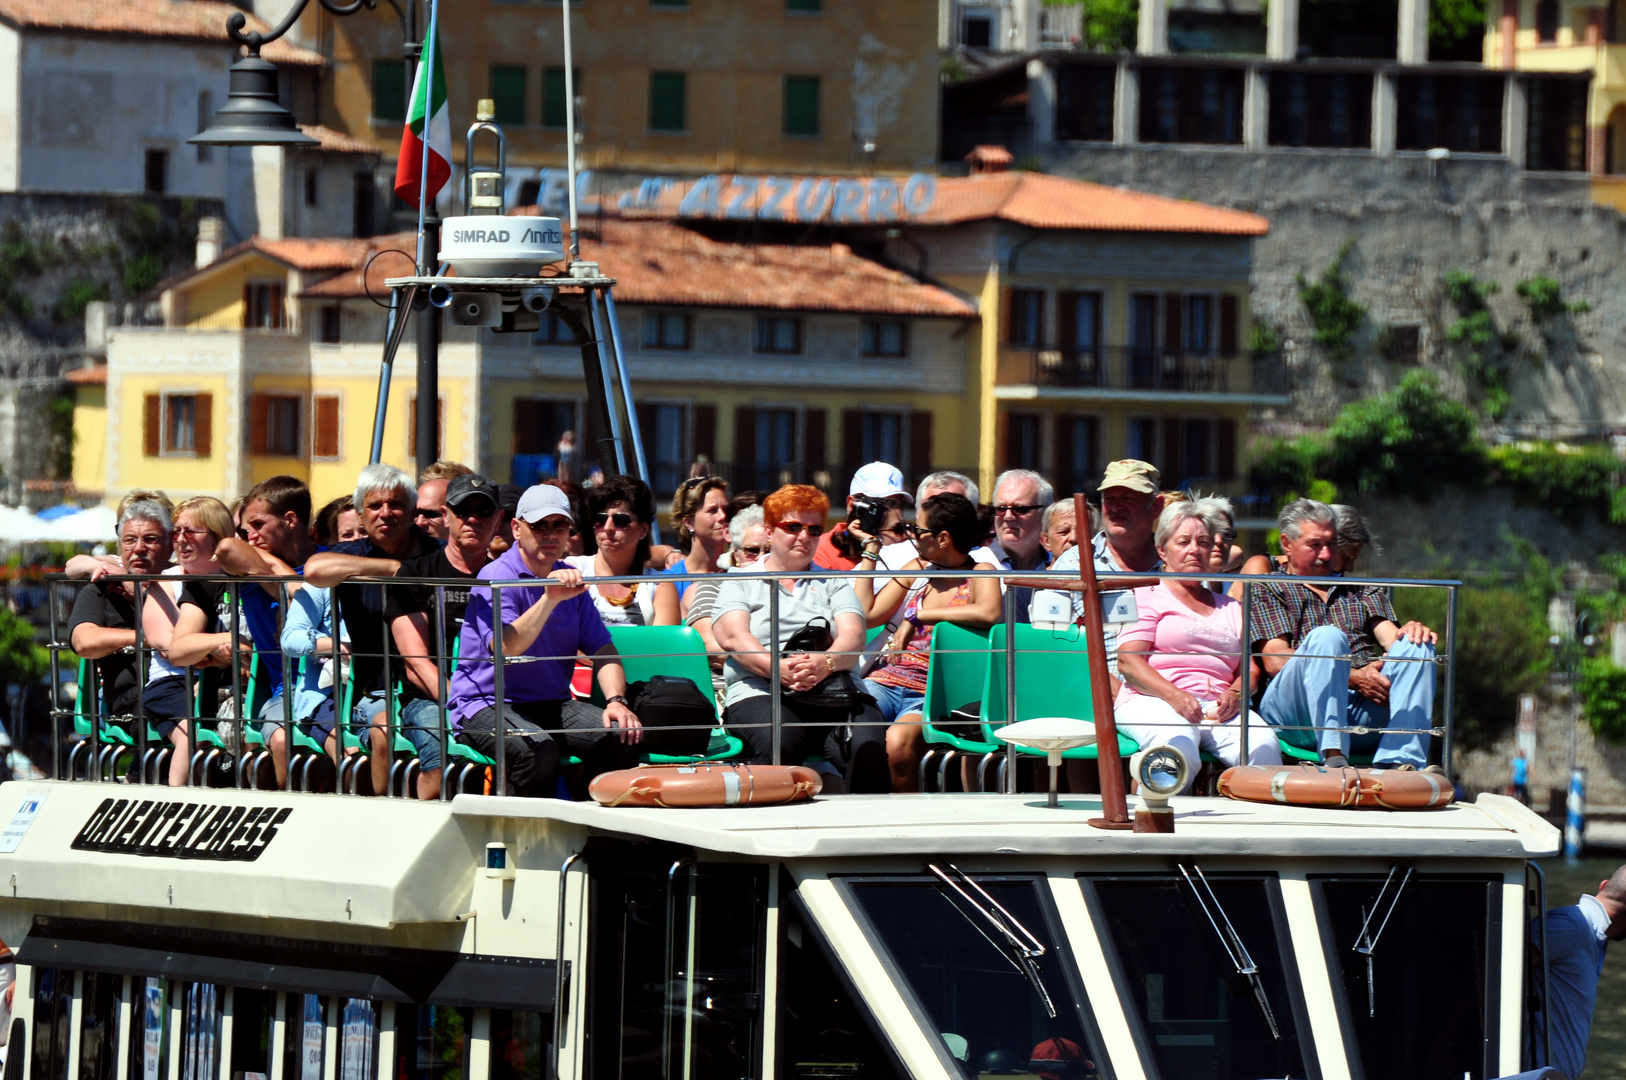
776 328
683 86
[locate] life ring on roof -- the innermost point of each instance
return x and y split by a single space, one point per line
705 785
1313 785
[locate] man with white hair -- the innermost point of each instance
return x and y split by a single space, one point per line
1334 655
941 482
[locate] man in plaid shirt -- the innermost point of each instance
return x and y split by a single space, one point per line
1335 656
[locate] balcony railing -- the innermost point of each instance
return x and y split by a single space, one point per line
1120 367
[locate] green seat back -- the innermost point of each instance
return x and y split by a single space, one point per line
674 651
1052 679
955 676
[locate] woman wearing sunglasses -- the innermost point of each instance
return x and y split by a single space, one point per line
620 512
911 608
821 704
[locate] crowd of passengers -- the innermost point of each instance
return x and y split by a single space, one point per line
1326 657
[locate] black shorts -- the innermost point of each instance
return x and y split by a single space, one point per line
164 702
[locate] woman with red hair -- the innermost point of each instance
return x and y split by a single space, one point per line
821 701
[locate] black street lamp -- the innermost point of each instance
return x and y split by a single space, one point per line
254 116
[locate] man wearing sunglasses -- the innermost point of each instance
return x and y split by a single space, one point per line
413 611
430 515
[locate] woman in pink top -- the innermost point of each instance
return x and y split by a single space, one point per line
1181 663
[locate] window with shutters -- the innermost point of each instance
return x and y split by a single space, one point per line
668 102
666 330
325 437
507 82
882 437
776 457
664 429
1197 446
1142 442
274 425
332 322
1200 328
801 105
1026 322
1077 452
262 306
1024 441
555 101
389 91
886 338
776 334
178 425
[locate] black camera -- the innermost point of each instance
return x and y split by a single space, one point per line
868 514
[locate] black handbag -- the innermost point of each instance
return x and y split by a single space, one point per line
677 716
834 691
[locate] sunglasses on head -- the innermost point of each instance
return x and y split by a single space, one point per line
620 519
795 528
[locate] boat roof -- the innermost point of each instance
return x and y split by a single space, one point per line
880 825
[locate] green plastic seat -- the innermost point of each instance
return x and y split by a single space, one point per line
1052 679
676 652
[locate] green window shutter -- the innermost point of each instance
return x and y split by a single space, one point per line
801 105
667 111
389 90
804 5
554 99
508 93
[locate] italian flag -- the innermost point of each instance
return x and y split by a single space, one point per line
427 118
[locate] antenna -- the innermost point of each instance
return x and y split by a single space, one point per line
570 135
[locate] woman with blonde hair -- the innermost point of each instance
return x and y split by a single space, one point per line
702 509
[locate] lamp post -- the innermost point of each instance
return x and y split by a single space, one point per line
253 116
1569 649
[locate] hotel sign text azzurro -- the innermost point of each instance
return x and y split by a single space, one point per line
835 200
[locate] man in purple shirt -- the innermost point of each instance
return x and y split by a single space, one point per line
554 619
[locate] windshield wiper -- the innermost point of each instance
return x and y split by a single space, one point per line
1238 952
1021 954
1365 942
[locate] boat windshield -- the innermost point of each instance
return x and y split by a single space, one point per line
970 984
1400 1024
1199 958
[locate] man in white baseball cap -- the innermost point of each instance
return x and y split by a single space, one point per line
876 499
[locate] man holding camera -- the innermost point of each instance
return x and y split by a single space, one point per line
876 499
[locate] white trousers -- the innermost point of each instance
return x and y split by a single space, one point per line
1151 722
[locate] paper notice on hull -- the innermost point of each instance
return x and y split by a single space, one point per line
20 821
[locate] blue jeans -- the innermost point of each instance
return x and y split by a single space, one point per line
1313 689
895 701
420 723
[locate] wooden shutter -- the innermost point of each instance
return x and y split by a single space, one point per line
1173 452
248 305
1229 341
326 444
1174 342
705 432
1225 448
153 427
1067 321
1007 307
814 423
203 415
259 423
278 317
852 439
920 444
745 446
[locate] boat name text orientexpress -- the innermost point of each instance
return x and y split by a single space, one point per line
180 830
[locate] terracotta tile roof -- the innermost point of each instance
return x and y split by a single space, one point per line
1026 198
658 262
335 142
187 20
347 284
94 375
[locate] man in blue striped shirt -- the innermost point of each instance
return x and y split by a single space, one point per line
1576 939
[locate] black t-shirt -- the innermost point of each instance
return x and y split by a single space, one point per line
106 605
362 608
211 597
407 599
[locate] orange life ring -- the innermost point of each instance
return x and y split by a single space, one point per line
1312 785
705 785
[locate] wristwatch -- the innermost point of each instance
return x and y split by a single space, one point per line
618 699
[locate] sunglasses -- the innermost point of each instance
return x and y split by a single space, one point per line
620 519
1018 509
474 512
432 515
754 552
795 528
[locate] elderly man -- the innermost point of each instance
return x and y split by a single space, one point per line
1020 498
1335 656
941 482
1577 938
552 620
1125 544
1058 533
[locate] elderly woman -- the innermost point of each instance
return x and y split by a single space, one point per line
821 704
1181 662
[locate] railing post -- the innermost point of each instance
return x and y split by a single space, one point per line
499 776
238 704
335 629
389 712
445 689
773 667
56 689
1247 671
287 683
140 592
1009 598
1447 747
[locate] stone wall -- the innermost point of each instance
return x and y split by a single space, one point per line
1489 769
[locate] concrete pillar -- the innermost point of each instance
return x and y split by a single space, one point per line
1413 32
1384 114
1041 105
1515 121
1152 37
1509 33
1282 30
1256 109
1126 106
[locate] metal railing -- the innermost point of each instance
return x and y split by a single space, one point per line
87 731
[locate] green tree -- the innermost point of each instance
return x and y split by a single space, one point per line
1334 315
1545 299
22 660
1406 442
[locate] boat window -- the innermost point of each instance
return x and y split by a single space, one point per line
1173 943
519 1044
304 1046
677 963
822 1033
431 1042
989 998
53 1005
252 1012
149 1033
200 1030
358 1039
1401 1022
98 1027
